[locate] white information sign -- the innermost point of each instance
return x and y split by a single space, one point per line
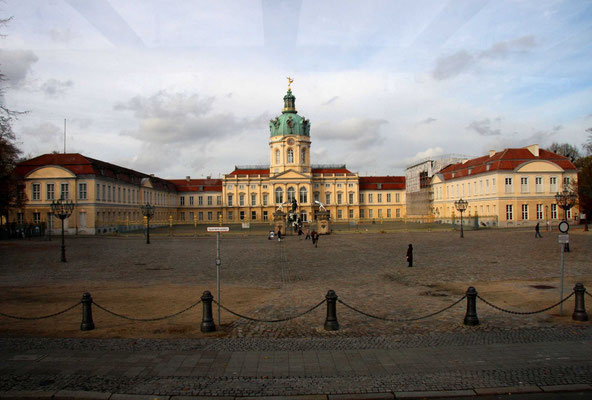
562 239
218 228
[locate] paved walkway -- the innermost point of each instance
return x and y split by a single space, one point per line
453 364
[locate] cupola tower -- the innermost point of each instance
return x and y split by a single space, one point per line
289 143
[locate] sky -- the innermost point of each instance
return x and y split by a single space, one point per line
187 88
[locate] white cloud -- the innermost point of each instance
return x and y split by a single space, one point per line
16 65
55 88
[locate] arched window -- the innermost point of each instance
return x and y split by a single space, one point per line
290 156
279 196
277 156
303 157
291 194
303 195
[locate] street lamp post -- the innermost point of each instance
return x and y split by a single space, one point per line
62 209
566 200
148 212
461 206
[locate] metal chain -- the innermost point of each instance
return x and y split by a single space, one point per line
524 313
270 320
402 320
146 319
588 293
43 317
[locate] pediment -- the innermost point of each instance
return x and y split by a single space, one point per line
538 166
437 178
290 174
50 171
146 182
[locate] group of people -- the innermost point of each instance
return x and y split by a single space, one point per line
313 235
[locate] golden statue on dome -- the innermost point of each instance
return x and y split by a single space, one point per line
290 80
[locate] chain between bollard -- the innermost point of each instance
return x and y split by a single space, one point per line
402 320
588 293
146 319
42 317
271 320
524 312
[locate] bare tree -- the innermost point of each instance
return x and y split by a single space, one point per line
565 149
11 193
588 144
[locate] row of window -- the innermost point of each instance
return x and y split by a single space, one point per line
50 191
460 190
199 216
230 186
290 156
303 197
539 212
200 200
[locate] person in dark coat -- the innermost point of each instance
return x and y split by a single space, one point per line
315 238
410 255
537 231
279 235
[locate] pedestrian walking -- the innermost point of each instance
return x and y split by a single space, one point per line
537 231
410 255
279 235
307 233
315 238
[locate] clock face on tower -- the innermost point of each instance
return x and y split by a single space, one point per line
290 141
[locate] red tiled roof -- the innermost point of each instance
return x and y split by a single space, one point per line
250 172
331 171
82 165
197 185
382 182
508 159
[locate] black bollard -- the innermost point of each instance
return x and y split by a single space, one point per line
331 323
207 321
87 319
471 315
579 313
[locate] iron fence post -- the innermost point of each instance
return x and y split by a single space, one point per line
87 319
579 313
331 323
471 318
207 322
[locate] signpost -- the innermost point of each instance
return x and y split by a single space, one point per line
562 239
218 229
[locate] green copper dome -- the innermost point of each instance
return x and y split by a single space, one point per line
289 122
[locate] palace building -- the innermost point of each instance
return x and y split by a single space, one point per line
515 186
506 188
107 196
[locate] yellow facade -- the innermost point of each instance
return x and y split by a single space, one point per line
524 195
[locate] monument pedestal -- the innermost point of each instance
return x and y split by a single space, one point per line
279 222
323 223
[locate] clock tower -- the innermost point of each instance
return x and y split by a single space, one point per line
289 143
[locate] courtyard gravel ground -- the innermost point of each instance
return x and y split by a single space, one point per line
269 279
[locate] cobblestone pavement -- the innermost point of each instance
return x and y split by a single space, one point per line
527 359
